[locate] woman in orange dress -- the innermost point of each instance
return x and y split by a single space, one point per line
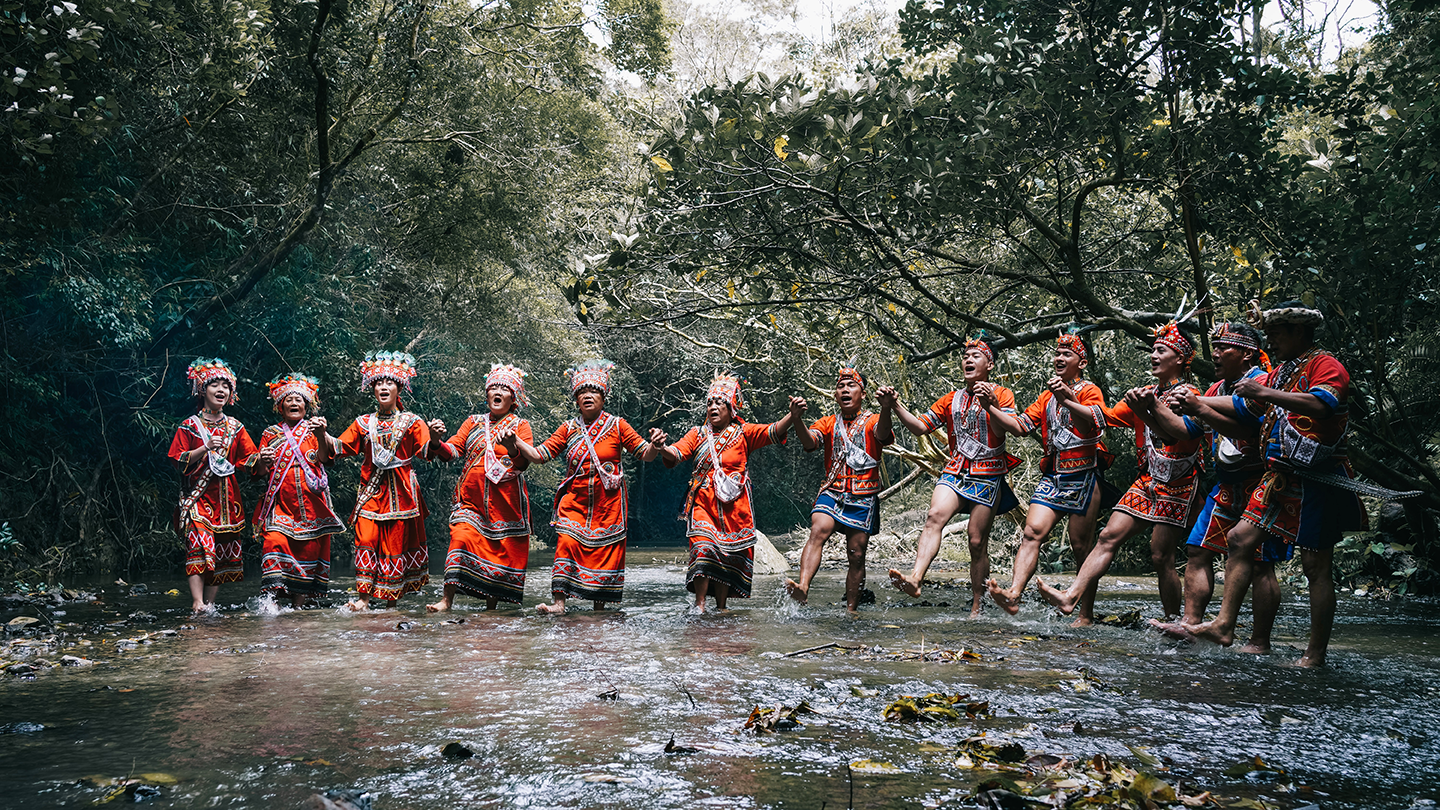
591 511
719 524
210 518
295 517
391 558
490 515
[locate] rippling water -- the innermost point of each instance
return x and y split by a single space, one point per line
260 708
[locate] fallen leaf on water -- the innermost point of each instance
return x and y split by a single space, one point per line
606 778
1144 756
859 691
777 718
173 592
1147 786
160 778
871 766
1197 801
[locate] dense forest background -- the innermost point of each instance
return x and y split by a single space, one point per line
291 184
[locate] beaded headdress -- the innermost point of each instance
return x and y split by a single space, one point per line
204 371
1236 334
1074 343
397 366
982 345
1171 336
509 376
726 388
849 371
306 386
590 374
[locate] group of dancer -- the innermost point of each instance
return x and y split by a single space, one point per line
1277 439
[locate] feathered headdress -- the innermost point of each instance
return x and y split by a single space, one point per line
726 388
509 376
397 366
204 371
590 374
983 345
849 371
1171 336
306 386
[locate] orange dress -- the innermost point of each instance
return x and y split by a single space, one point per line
391 558
722 535
1167 490
295 517
591 509
490 513
210 516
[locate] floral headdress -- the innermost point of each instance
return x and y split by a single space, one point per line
204 371
1171 336
396 366
849 371
509 376
726 387
590 374
306 386
983 345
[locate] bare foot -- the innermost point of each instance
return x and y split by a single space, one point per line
1061 600
439 607
1082 621
553 610
975 606
852 613
796 592
1255 649
1174 630
1002 597
903 584
1209 632
1309 662
357 605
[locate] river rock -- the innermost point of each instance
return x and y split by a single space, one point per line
768 559
75 661
20 622
339 800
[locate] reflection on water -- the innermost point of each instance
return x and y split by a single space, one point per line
260 708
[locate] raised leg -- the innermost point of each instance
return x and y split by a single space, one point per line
821 527
1039 521
1241 543
1119 528
944 503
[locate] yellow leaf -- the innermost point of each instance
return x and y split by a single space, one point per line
1161 122
1240 257
731 288
893 308
780 143
773 322
794 288
701 274
661 163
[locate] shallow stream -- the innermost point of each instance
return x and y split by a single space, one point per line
260 708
